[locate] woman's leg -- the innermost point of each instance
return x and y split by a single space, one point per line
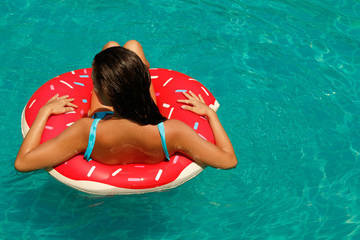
136 47
132 45
110 44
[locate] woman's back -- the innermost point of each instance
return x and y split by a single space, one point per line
120 141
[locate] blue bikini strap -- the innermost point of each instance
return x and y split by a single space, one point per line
92 137
101 115
163 140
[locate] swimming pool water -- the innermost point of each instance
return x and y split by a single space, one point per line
286 74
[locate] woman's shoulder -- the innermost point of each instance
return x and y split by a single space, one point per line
175 128
83 123
81 127
174 124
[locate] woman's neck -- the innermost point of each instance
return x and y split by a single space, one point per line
117 115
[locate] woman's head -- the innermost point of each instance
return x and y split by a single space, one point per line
121 78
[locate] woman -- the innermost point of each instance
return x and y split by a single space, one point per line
128 125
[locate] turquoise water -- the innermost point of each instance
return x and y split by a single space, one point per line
286 74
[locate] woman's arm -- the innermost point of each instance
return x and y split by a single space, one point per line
32 155
222 154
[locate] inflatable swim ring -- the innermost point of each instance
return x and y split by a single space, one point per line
95 178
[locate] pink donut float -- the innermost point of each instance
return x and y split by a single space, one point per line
95 178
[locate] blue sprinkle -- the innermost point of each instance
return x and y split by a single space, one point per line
80 84
180 90
196 125
84 101
84 76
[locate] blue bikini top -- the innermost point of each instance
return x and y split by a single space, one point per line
92 136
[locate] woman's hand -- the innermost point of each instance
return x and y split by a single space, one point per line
195 104
58 105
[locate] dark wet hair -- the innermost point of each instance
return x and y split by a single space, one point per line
125 80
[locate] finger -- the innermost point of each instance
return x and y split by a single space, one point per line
201 99
193 95
186 107
71 105
183 101
54 97
69 109
69 100
187 95
63 97
65 110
